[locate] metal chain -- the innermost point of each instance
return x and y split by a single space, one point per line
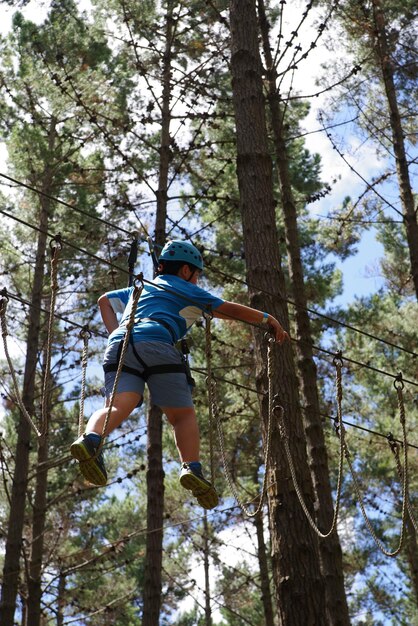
85 335
399 387
338 365
4 332
214 413
56 247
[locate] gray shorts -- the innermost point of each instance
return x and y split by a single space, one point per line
167 390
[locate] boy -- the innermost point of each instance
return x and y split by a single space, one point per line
165 312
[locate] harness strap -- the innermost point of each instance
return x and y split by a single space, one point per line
169 368
149 370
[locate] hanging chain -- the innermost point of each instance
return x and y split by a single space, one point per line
214 416
399 385
285 437
85 335
4 332
56 247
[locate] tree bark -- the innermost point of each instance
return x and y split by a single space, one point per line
61 599
412 555
298 582
155 508
33 614
330 549
208 612
155 473
264 571
406 194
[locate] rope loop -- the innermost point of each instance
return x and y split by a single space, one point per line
337 361
215 417
268 336
278 411
138 282
4 294
403 475
208 313
85 332
4 332
398 382
342 450
55 244
392 443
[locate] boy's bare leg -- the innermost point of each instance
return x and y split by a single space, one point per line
186 431
86 449
123 405
186 434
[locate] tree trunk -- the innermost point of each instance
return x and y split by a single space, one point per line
61 599
406 194
11 567
155 474
330 549
264 571
412 555
295 555
155 507
37 546
208 612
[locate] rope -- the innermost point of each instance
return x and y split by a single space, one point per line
130 324
4 332
395 450
55 245
85 335
338 365
399 385
214 415
211 391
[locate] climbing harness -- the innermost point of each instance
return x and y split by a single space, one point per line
215 417
4 332
169 368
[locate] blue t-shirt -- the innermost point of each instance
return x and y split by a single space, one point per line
171 299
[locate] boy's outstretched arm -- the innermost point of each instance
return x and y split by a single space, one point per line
235 311
108 315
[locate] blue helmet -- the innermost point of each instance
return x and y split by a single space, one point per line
178 250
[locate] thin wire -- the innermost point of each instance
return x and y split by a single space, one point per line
203 372
66 204
100 259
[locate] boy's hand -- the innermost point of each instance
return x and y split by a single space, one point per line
280 335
